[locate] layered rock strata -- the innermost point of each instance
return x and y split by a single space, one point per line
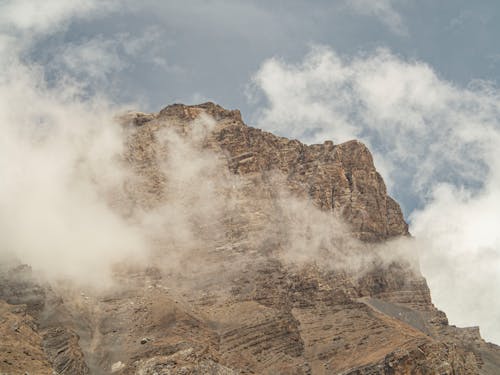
267 298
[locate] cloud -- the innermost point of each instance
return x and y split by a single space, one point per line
94 59
424 128
439 145
59 156
466 16
462 254
41 17
383 10
97 62
65 190
24 23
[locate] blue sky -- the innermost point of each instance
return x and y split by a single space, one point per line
157 53
417 81
209 50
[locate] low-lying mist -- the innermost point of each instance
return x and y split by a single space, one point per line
59 160
83 190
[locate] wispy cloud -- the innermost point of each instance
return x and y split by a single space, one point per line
383 10
41 17
59 152
98 60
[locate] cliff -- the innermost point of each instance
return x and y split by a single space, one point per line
284 264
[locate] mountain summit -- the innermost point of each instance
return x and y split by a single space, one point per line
264 256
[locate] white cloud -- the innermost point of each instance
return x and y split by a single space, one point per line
24 22
438 143
44 16
383 10
462 254
58 154
61 149
402 110
96 63
94 59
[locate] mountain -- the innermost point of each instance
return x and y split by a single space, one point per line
265 256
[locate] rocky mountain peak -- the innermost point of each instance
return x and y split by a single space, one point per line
340 178
271 257
190 112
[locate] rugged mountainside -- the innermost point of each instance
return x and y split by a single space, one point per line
285 270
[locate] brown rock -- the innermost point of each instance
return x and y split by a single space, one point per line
238 305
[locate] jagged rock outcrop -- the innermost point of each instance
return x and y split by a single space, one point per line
239 300
21 344
341 178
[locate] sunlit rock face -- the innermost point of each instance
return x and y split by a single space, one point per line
264 256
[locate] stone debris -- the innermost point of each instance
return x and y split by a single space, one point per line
117 366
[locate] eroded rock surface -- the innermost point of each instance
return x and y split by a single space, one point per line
248 295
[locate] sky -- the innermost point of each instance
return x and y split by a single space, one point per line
414 80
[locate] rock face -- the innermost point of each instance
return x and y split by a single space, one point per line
267 285
338 178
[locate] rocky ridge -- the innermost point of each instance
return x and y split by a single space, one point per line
261 308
